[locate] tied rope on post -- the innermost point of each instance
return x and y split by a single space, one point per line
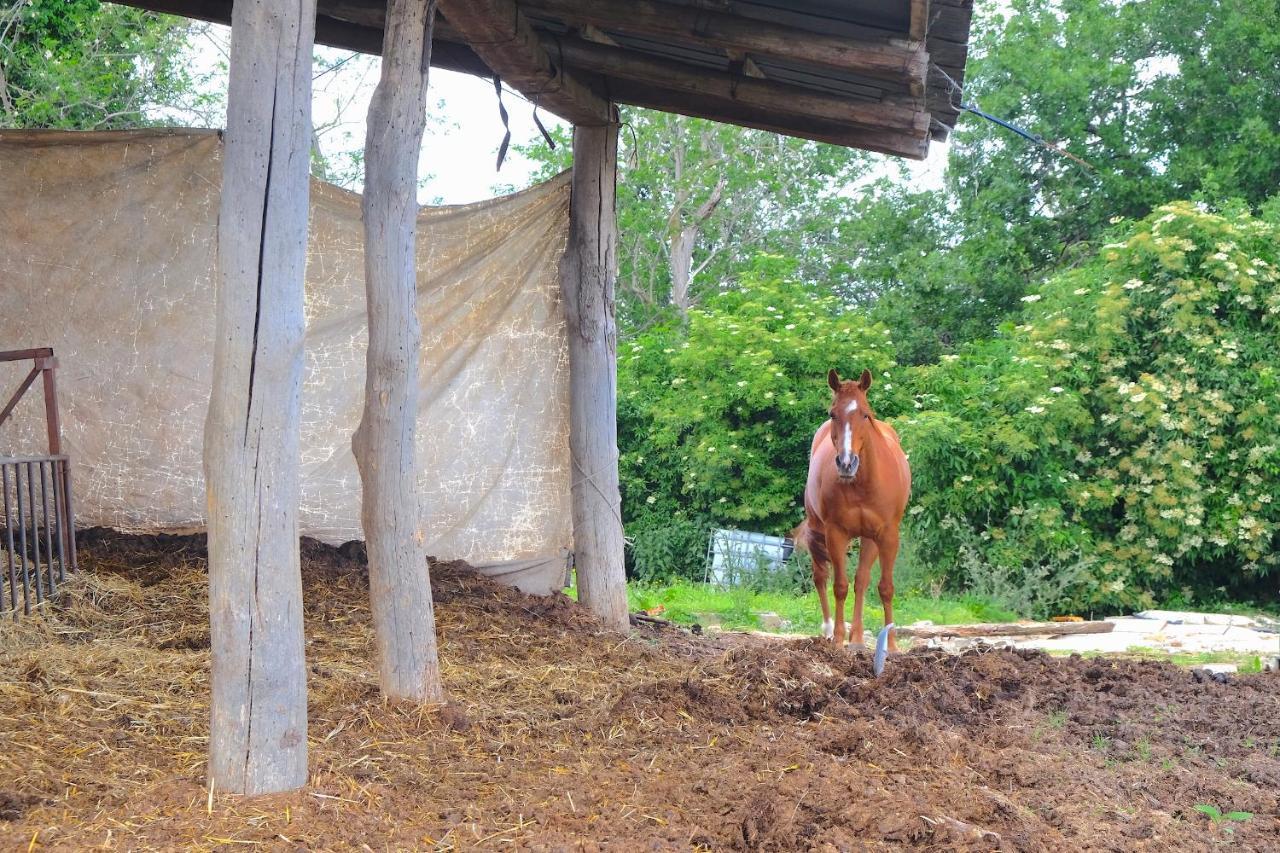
957 89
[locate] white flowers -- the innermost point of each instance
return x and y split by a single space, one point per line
1138 398
1080 291
1132 284
651 500
1035 410
1031 297
1057 389
790 326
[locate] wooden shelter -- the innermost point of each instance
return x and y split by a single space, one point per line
873 74
880 76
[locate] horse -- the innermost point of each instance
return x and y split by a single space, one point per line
859 483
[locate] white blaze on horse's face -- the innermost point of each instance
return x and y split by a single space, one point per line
846 460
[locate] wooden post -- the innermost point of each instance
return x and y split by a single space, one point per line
587 276
258 732
384 444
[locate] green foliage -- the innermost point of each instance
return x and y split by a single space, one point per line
82 64
668 551
1216 815
1123 442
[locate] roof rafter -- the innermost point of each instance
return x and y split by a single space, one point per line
502 36
886 59
900 144
333 28
747 91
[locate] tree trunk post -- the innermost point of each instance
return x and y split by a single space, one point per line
587 276
258 726
384 443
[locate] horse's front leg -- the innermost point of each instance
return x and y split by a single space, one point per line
838 550
866 556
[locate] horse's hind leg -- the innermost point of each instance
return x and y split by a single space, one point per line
866 556
816 546
888 553
820 571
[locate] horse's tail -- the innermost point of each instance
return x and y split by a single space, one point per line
812 543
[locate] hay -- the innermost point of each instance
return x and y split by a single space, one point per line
560 736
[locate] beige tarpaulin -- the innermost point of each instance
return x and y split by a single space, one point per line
107 253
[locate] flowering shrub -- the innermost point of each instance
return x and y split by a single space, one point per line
1123 443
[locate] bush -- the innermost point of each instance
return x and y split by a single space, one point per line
663 553
1122 444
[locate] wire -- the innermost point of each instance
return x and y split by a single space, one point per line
961 106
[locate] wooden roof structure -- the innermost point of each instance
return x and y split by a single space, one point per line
873 74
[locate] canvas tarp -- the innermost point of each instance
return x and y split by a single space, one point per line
107 254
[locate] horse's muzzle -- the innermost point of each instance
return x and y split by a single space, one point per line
847 466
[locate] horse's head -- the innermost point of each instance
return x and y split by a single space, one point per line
850 421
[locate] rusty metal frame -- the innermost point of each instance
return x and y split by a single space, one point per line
47 487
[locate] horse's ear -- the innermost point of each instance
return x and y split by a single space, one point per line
865 381
833 379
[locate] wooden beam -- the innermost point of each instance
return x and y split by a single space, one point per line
385 444
588 273
1016 629
895 143
765 96
919 27
361 35
723 31
502 36
258 729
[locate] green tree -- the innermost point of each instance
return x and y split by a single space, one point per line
82 64
1164 100
698 200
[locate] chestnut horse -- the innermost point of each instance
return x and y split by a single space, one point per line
859 482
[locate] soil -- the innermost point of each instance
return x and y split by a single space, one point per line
561 736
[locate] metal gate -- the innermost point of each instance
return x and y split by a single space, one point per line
38 538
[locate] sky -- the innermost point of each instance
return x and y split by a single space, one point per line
464 129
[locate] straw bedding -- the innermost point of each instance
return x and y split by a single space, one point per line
561 736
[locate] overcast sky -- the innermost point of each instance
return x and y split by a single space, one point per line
464 128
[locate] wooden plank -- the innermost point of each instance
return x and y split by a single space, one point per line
899 144
258 703
23 354
722 31
588 273
1016 629
331 31
762 95
919 19
502 36
384 443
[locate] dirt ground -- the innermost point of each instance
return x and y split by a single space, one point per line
559 736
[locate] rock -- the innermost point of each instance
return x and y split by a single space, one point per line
1215 668
1183 617
770 621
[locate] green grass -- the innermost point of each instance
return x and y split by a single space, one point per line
686 603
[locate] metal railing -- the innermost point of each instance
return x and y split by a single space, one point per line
38 538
